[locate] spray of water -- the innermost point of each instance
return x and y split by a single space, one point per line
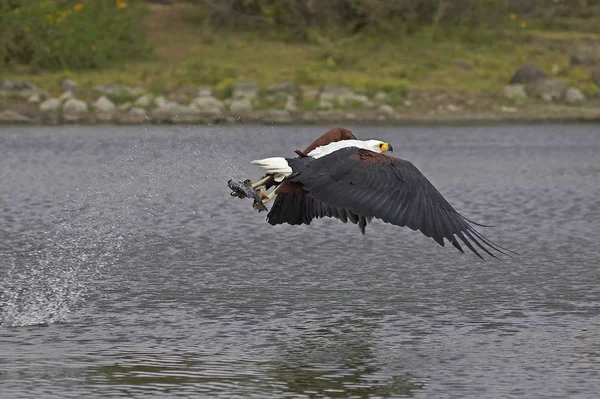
50 270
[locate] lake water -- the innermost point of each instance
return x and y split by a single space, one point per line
127 270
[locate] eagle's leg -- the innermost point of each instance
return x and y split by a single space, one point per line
259 183
267 197
264 199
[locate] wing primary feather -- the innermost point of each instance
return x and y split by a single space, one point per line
362 223
472 222
468 234
492 244
436 231
459 234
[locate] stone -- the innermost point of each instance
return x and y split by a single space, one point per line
134 116
35 98
324 116
10 116
74 110
407 103
125 106
290 104
105 109
118 90
162 112
528 73
160 101
514 91
65 96
245 90
548 89
595 75
585 55
508 109
50 105
181 94
138 111
6 84
143 101
103 104
332 96
282 87
243 105
24 86
185 114
277 116
381 97
453 108
208 105
69 85
176 113
204 91
574 95
23 90
386 110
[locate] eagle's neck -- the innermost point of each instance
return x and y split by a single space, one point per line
338 145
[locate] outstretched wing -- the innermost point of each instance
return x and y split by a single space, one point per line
394 190
299 207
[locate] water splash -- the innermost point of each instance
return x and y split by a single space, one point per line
48 276
82 205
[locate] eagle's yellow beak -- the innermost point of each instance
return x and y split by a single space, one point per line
385 147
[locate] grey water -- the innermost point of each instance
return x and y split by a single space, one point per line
127 270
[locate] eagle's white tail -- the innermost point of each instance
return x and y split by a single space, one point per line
277 166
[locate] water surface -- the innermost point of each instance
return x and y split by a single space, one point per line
127 270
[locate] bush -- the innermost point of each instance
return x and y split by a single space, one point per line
351 16
69 33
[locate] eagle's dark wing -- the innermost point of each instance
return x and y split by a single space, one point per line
375 185
301 208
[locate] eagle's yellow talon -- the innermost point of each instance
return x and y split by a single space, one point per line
266 197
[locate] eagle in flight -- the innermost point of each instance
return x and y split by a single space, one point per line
354 180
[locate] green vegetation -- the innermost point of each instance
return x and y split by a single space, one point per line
370 45
65 34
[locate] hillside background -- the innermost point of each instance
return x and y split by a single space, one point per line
419 58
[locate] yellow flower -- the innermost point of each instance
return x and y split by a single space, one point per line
93 47
42 4
121 3
48 49
513 17
78 7
523 24
49 17
16 11
26 29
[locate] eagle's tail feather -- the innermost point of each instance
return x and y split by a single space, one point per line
277 166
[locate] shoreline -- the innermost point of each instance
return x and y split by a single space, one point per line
285 104
586 115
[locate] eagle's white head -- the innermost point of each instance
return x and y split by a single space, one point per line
378 146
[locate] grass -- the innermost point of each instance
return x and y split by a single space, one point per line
187 52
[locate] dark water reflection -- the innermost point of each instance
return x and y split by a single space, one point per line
126 270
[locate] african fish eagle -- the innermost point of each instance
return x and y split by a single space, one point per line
349 179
